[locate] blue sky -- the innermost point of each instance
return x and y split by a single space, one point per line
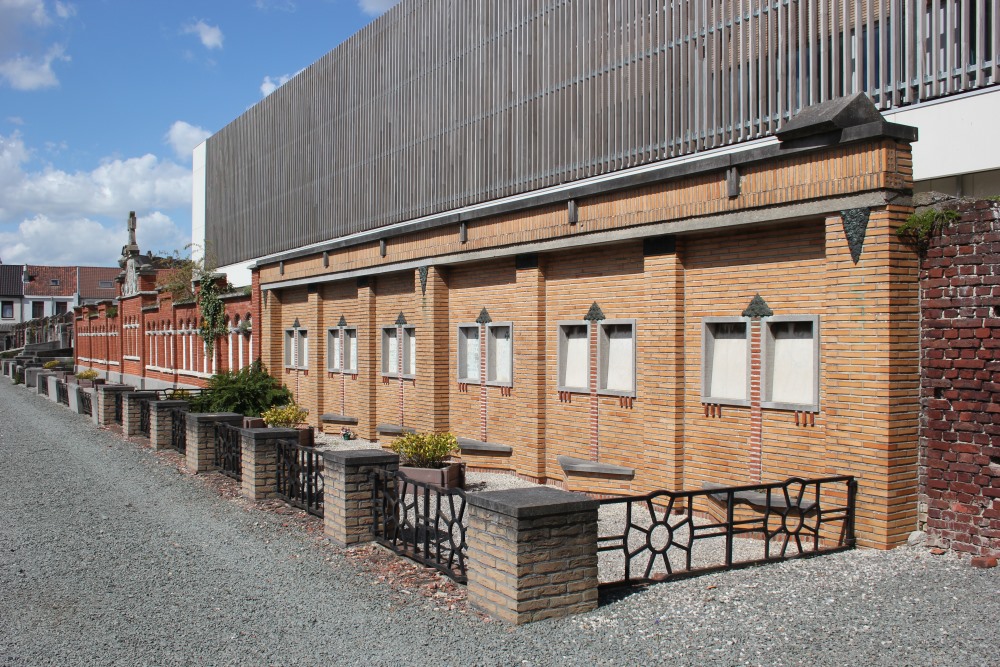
101 102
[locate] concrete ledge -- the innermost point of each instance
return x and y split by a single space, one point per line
199 417
570 465
360 457
331 418
168 403
393 429
758 499
531 502
470 446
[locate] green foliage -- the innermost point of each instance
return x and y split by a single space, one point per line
111 312
425 450
49 365
213 312
248 391
10 354
920 228
89 374
284 415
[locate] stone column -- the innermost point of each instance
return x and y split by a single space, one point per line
130 411
201 438
260 460
532 553
53 381
104 410
161 422
347 493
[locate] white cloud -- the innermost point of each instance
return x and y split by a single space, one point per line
280 5
33 73
211 36
84 241
15 120
65 10
183 137
24 11
376 7
270 85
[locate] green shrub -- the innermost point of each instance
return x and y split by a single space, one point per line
920 228
425 450
49 365
284 415
248 392
89 374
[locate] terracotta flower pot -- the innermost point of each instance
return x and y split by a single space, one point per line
253 422
452 476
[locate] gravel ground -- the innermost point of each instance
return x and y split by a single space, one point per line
109 556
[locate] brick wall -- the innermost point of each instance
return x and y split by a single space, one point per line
960 384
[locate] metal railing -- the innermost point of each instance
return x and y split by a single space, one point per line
228 450
144 417
119 408
300 476
62 393
85 400
420 521
666 535
178 429
43 386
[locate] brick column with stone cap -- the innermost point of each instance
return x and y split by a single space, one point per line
200 445
161 422
104 411
130 410
532 553
259 450
347 493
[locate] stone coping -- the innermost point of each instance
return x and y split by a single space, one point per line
215 416
472 446
570 464
268 433
331 418
114 388
394 429
360 457
532 502
168 403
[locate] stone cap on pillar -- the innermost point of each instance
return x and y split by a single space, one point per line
115 388
271 433
532 502
170 403
360 457
215 417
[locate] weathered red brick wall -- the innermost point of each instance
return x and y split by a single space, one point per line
960 384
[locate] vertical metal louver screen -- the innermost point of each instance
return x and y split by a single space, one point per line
440 104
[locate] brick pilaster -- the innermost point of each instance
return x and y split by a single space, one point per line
347 493
532 553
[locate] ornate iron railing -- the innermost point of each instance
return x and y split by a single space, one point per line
119 408
228 450
178 429
43 386
300 476
420 521
62 393
85 401
666 535
144 417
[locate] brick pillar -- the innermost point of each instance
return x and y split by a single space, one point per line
201 438
161 422
104 409
532 553
130 411
436 358
260 460
347 493
529 364
368 359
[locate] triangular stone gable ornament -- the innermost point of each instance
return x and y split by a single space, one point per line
401 320
855 229
758 308
422 272
595 314
296 325
484 317
342 322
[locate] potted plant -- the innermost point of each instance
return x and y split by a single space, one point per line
425 457
347 434
290 416
88 378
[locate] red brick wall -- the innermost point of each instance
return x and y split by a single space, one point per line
960 383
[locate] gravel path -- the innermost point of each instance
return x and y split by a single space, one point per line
108 556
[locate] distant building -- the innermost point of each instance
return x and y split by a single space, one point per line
11 302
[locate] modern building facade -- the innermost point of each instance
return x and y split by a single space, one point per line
618 248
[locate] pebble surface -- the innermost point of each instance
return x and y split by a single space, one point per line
109 556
